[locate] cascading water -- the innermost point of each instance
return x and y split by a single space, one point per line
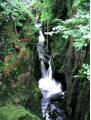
51 89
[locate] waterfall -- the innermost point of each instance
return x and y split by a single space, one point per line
48 86
43 69
49 72
41 38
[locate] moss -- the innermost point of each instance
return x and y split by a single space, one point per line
58 49
12 112
22 95
35 98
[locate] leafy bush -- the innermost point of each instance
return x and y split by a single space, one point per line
84 72
15 11
77 27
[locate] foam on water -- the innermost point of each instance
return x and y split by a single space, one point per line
49 87
47 84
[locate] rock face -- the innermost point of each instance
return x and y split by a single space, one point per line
77 96
77 91
51 107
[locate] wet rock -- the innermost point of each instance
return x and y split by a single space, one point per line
52 108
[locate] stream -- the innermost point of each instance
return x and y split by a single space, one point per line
51 89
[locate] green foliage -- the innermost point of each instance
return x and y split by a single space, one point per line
47 8
27 3
37 5
77 27
81 3
13 15
84 72
12 112
17 30
44 9
15 11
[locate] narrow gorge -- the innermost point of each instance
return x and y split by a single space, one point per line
44 60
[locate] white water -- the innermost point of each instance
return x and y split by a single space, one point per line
47 84
41 38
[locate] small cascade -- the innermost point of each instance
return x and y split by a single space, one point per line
49 87
41 38
43 69
49 72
